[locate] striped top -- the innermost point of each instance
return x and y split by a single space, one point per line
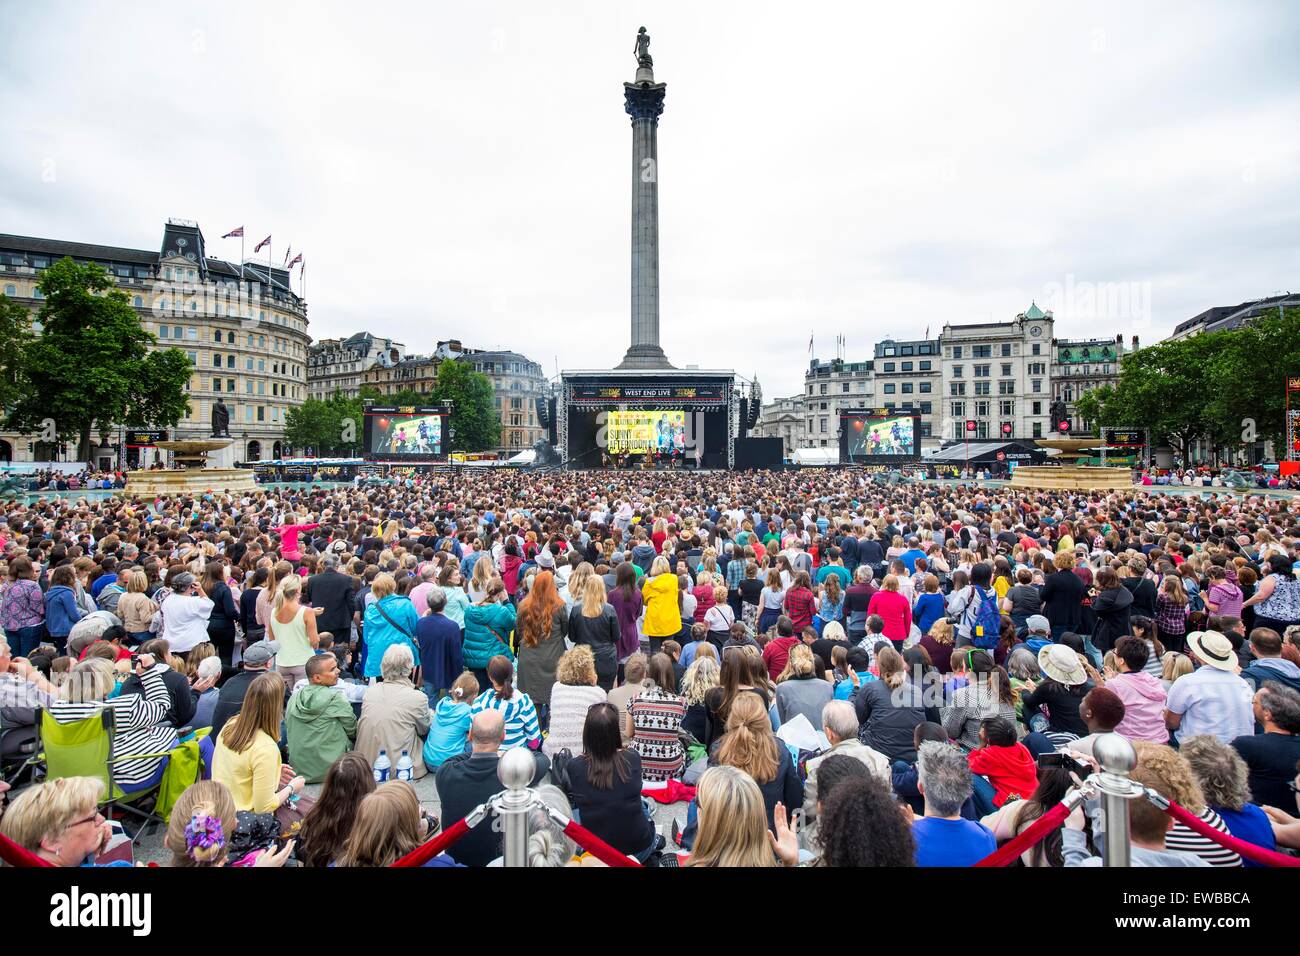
519 713
136 725
1186 840
656 718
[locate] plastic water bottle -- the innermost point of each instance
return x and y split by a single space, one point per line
382 766
405 769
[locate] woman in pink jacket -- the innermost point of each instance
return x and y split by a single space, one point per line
894 609
1143 694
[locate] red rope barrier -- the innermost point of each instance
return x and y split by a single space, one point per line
1249 850
596 846
425 852
15 855
1036 831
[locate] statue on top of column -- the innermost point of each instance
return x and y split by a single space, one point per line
642 50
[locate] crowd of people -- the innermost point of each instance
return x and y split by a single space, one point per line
824 670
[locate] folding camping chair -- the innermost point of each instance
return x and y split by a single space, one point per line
85 749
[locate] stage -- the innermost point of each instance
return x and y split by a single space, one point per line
665 419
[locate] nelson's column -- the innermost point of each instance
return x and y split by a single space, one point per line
644 101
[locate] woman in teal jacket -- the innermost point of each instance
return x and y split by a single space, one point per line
390 619
487 630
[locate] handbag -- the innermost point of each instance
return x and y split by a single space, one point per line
560 769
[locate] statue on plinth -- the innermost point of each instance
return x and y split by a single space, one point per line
642 50
220 420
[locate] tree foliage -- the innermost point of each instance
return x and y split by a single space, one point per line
91 367
15 336
474 417
329 427
1223 387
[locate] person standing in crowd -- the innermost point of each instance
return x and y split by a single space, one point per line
293 628
894 610
594 622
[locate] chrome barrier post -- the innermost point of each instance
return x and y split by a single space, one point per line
1117 759
515 769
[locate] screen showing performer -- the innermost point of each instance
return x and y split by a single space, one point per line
417 433
871 437
638 433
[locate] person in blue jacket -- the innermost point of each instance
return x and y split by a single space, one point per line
61 608
487 630
930 605
390 619
449 732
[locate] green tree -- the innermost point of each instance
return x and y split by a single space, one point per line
91 366
473 415
1248 378
1166 388
324 425
15 336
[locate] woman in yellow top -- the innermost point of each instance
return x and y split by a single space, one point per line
247 757
1066 540
293 627
663 610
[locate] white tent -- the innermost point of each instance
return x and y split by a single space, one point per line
815 457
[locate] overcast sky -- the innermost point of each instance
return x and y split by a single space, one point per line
866 169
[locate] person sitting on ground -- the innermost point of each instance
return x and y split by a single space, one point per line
605 785
389 825
395 715
1213 699
259 658
859 823
1148 828
1016 816
1273 756
731 830
324 830
750 745
247 756
1102 711
23 690
202 825
521 727
943 837
574 693
840 725
1142 694
1002 768
469 779
184 695
320 724
449 732
1224 780
654 718
800 689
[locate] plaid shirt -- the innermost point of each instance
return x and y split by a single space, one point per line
1170 617
735 573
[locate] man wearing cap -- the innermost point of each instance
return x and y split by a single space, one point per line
258 659
1213 699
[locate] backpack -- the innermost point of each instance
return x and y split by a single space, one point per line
986 626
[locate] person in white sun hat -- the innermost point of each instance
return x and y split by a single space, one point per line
1214 699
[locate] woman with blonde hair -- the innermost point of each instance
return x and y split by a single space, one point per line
938 643
800 689
594 622
663 607
389 825
702 676
136 609
293 627
1174 665
750 745
247 757
1180 786
732 830
483 573
575 692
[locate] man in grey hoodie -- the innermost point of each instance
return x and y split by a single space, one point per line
643 552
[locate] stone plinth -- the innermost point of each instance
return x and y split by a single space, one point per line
194 478
1072 478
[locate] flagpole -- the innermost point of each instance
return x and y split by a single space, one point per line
242 287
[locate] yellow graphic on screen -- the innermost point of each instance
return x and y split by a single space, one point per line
639 432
